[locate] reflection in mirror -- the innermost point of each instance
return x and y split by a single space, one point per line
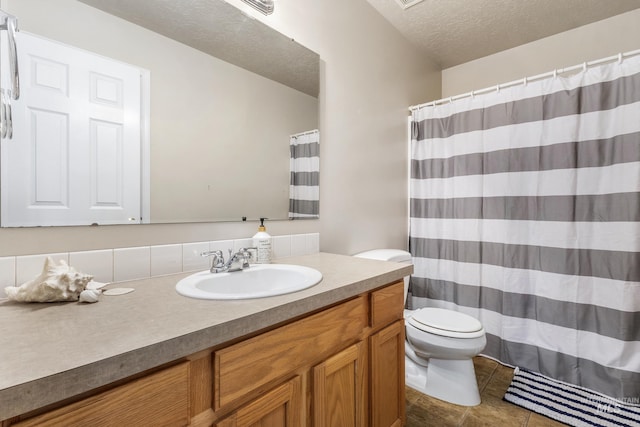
218 130
304 199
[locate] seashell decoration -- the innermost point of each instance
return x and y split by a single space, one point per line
95 286
57 282
90 295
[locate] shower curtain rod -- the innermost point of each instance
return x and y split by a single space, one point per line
309 132
619 57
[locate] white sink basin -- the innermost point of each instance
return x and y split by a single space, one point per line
257 281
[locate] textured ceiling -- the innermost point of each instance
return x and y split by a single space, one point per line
222 30
452 32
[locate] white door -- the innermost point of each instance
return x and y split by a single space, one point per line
75 154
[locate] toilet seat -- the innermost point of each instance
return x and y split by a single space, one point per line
447 323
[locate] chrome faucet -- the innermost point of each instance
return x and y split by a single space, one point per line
237 261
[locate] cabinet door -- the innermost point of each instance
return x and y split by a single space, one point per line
281 407
339 389
387 376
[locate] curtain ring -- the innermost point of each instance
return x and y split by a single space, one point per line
620 58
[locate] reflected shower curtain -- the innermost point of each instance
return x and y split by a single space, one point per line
304 186
525 213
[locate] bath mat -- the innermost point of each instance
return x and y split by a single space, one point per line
569 404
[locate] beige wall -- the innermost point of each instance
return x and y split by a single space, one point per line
601 39
369 75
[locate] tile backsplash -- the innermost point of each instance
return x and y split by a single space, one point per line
120 264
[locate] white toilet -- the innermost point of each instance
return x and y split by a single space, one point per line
440 345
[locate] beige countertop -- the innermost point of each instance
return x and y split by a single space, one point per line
52 351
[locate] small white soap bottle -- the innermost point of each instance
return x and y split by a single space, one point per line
262 242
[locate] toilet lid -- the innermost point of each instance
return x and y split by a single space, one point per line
447 323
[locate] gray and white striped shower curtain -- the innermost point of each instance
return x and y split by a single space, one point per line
304 186
525 213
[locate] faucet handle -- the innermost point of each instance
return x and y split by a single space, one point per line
218 258
248 254
211 253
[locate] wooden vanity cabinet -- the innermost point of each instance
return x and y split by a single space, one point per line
349 359
342 366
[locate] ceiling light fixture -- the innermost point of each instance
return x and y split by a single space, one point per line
264 6
406 4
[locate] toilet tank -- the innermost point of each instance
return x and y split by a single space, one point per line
393 255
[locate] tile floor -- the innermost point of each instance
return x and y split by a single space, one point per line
493 381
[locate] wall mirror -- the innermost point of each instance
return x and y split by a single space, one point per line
225 92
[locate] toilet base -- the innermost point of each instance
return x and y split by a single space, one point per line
453 381
415 375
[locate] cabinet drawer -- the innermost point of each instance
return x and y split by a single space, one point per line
387 304
161 398
246 366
